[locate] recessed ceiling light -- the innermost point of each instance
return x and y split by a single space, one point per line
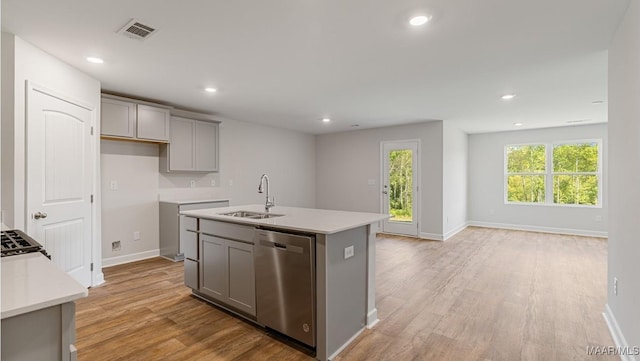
326 120
518 124
419 20
93 59
210 90
508 96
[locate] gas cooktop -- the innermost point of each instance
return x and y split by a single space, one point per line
14 242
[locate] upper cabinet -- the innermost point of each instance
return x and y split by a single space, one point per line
123 118
193 145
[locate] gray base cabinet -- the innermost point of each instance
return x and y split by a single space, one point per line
172 225
225 263
44 335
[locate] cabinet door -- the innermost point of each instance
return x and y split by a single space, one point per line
181 147
206 146
153 123
242 290
191 273
213 266
118 118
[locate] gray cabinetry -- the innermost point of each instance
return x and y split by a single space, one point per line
174 228
129 119
193 146
226 264
47 334
118 118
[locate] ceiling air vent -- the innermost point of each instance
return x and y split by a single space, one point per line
137 30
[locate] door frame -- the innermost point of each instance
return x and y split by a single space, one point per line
417 174
97 277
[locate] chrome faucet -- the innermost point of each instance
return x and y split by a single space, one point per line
269 202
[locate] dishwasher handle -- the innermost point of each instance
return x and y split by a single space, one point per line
280 246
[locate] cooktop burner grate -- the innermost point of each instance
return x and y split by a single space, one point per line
14 242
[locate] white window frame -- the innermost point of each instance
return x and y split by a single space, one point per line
549 173
507 174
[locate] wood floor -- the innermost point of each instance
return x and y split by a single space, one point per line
484 294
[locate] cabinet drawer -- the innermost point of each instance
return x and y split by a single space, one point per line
189 245
191 273
189 223
227 230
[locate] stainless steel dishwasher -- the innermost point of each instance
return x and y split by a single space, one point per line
285 284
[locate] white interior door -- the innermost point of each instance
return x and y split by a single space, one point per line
400 186
59 180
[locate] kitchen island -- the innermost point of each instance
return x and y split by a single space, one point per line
343 264
38 300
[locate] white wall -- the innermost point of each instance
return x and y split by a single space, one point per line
486 185
26 62
454 192
347 160
246 151
624 173
133 207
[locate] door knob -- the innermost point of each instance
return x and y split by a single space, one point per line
385 192
39 215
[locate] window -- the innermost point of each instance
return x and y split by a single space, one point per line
526 166
572 169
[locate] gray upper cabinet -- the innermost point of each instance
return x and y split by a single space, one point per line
127 118
118 118
193 146
153 123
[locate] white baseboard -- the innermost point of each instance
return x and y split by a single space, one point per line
521 227
431 236
616 333
372 318
113 261
455 231
98 280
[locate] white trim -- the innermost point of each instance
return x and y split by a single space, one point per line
341 348
455 231
372 318
522 227
417 175
431 236
616 333
98 279
113 261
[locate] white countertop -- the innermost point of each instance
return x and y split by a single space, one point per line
310 220
32 282
194 201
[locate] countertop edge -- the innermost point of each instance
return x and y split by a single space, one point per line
194 201
42 305
273 222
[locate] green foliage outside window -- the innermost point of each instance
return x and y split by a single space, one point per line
574 175
401 185
575 168
526 165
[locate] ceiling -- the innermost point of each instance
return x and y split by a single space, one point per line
289 63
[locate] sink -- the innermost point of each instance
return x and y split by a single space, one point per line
251 215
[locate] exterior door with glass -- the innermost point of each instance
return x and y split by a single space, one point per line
400 179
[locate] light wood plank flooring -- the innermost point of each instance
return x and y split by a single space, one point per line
484 294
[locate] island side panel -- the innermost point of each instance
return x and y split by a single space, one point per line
372 311
344 303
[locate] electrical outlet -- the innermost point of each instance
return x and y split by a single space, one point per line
192 184
598 218
136 236
348 252
113 185
115 246
213 182
230 182
615 286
